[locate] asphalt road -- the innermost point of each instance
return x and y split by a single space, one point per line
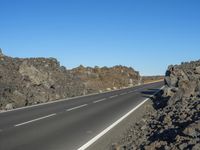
68 124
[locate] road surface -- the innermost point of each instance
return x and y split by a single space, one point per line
68 124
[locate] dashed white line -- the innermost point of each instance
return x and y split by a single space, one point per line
113 96
97 101
66 99
34 120
110 127
77 107
94 139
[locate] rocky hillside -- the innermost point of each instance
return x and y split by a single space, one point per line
36 80
175 123
98 79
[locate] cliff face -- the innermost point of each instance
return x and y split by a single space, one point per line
36 80
175 123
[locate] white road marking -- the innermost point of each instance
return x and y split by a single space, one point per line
90 142
77 107
66 99
129 92
113 96
34 120
97 101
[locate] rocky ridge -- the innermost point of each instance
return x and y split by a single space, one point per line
175 121
100 79
28 81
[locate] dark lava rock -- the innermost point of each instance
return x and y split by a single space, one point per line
176 121
28 81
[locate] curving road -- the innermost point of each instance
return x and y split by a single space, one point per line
68 124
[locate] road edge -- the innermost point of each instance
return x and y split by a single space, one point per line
70 98
102 133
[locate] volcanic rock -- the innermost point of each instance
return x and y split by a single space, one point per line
175 124
28 81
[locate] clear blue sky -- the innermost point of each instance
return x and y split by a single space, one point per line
147 35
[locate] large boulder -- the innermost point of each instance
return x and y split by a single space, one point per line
36 77
197 70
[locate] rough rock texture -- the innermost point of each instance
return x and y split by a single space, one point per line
36 80
175 124
29 81
100 79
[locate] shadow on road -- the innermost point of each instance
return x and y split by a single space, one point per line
158 100
149 92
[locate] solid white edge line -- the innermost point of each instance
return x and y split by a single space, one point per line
77 107
90 142
97 101
71 98
34 120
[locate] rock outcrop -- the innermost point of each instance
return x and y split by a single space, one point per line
28 81
100 79
175 123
